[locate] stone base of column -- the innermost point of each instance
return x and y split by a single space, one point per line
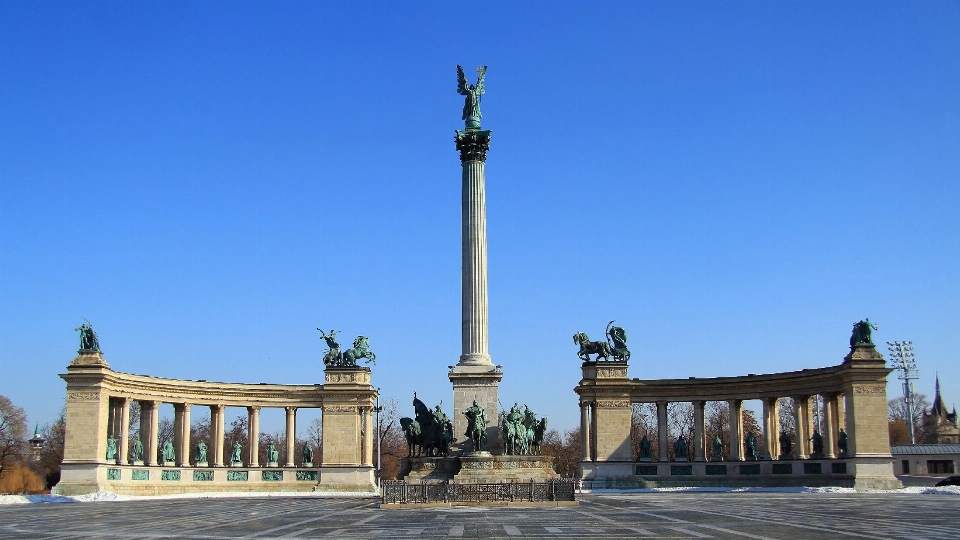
80 479
346 478
873 473
481 383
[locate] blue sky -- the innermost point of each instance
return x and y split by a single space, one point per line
734 183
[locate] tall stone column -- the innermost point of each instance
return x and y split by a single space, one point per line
736 429
593 431
217 411
368 436
663 437
185 437
800 404
253 435
291 434
829 424
584 431
178 433
123 443
475 377
153 443
771 429
699 441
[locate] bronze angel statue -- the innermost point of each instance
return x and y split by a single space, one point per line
471 106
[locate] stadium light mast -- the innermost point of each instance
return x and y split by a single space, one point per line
902 360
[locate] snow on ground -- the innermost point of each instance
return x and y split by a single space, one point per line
950 490
109 496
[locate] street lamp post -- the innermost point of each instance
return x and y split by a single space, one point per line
902 360
377 408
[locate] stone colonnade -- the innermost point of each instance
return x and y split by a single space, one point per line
98 411
853 393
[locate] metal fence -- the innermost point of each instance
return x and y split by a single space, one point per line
400 492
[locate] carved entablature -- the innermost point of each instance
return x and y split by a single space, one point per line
339 408
872 390
347 377
613 403
473 145
83 396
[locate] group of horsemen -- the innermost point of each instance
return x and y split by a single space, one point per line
431 431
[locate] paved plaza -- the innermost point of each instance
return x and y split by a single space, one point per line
783 516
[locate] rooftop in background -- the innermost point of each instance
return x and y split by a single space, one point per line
924 449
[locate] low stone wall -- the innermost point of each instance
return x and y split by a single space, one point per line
853 473
140 480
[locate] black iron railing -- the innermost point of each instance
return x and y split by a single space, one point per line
400 492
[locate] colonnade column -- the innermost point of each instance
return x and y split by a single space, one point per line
584 431
698 431
800 405
736 429
367 436
662 435
177 433
124 430
185 436
771 426
593 431
253 435
829 425
291 434
154 423
216 426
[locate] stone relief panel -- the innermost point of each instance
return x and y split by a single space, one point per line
83 396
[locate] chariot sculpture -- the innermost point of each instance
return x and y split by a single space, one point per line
615 346
334 358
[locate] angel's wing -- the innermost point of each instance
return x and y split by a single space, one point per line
461 82
483 72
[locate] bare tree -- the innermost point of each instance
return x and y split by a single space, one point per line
13 432
897 419
565 451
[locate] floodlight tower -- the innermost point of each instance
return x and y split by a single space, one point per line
902 360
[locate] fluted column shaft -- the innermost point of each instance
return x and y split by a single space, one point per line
475 340
829 425
291 434
662 435
584 431
253 435
218 412
124 430
699 434
801 403
368 436
154 434
185 437
736 429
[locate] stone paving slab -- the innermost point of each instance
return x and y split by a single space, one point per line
759 516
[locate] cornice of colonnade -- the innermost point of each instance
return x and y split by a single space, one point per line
609 380
336 389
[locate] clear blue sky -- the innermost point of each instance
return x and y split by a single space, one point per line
734 183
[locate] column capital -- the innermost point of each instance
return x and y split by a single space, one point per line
253 408
472 144
290 409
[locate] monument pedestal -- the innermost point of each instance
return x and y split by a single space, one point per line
480 469
480 382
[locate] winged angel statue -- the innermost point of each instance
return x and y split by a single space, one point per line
471 106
